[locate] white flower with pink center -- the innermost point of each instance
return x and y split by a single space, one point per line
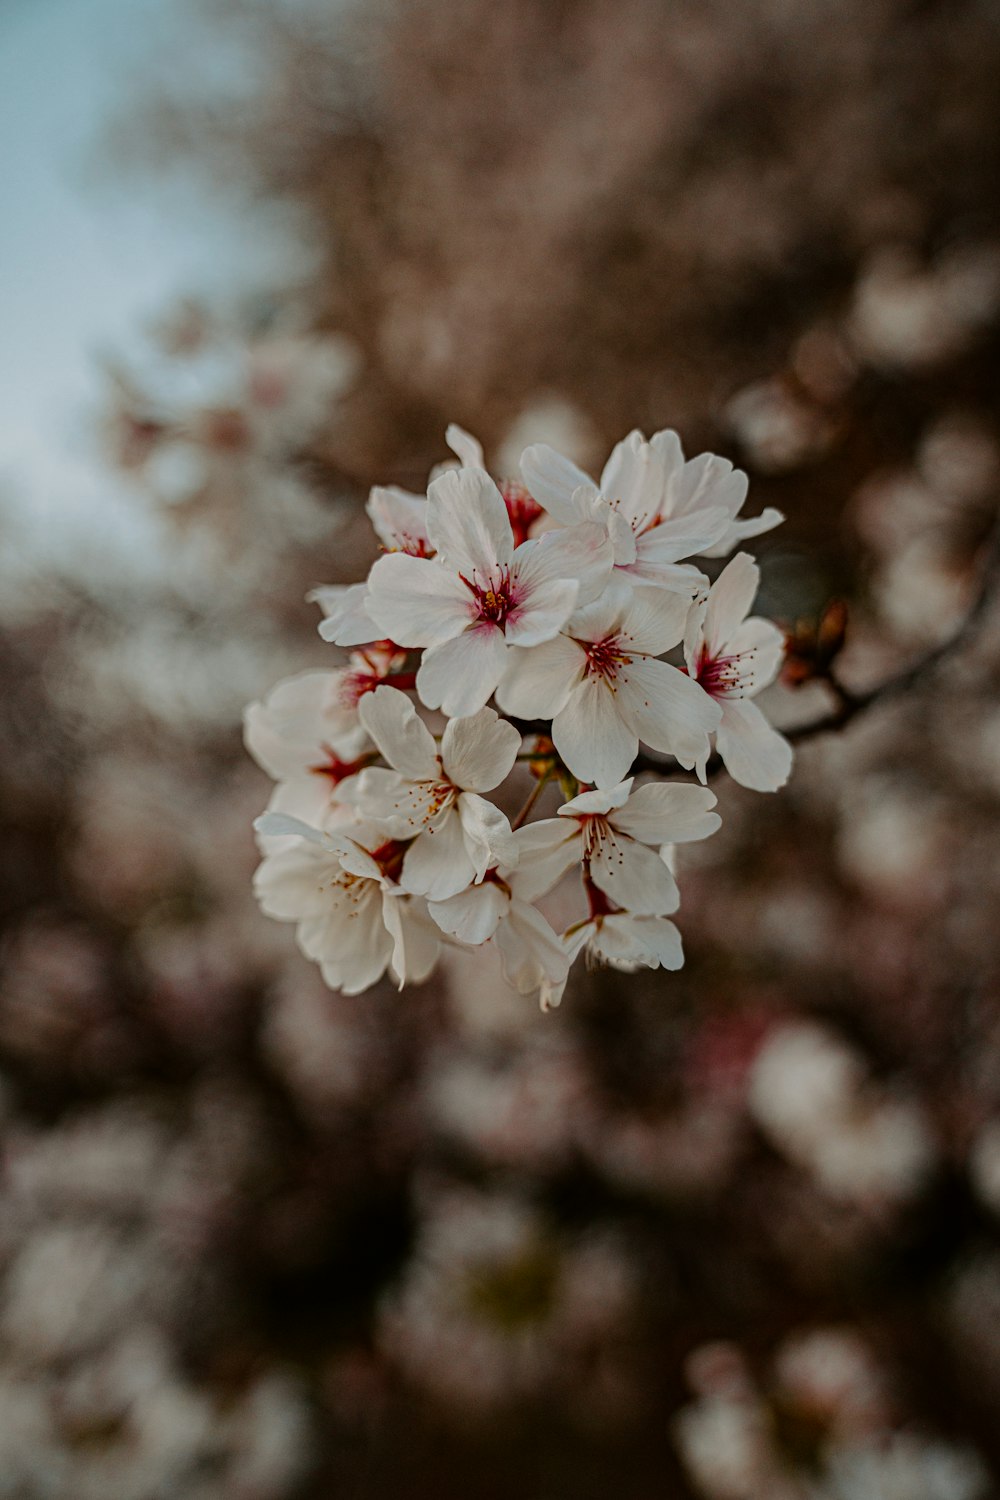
342 891
431 798
479 595
604 689
732 657
618 836
659 509
533 957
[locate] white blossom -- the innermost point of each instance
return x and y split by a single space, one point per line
732 657
431 797
480 595
604 689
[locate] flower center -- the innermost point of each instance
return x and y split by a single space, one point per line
389 858
522 509
335 769
493 599
605 657
721 676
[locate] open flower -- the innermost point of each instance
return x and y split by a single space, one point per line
610 834
732 657
659 508
480 595
307 735
430 797
533 957
604 689
352 916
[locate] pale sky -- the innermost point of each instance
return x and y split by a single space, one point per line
81 266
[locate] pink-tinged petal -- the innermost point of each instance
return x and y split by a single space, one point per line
468 524
538 680
634 877
487 833
591 737
416 943
603 618
682 536
467 449
479 751
707 480
653 621
649 942
730 600
472 916
531 954
417 602
670 457
600 801
437 864
459 676
546 850
754 753
553 480
667 710
632 479
347 621
583 553
400 733
742 531
676 578
694 636
760 647
659 813
399 519
541 612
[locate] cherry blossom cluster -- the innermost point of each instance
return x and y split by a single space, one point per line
556 599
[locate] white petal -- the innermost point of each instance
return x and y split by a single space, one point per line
652 942
730 600
478 752
531 954
603 618
460 675
487 834
468 524
660 813
292 884
755 754
345 607
416 601
670 456
538 680
591 736
400 733
399 519
415 940
552 480
299 718
599 801
654 621
467 449
541 612
580 552
437 864
682 536
759 647
546 850
634 877
402 808
706 480
473 914
666 709
742 531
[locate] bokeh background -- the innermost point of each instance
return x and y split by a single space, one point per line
732 1233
